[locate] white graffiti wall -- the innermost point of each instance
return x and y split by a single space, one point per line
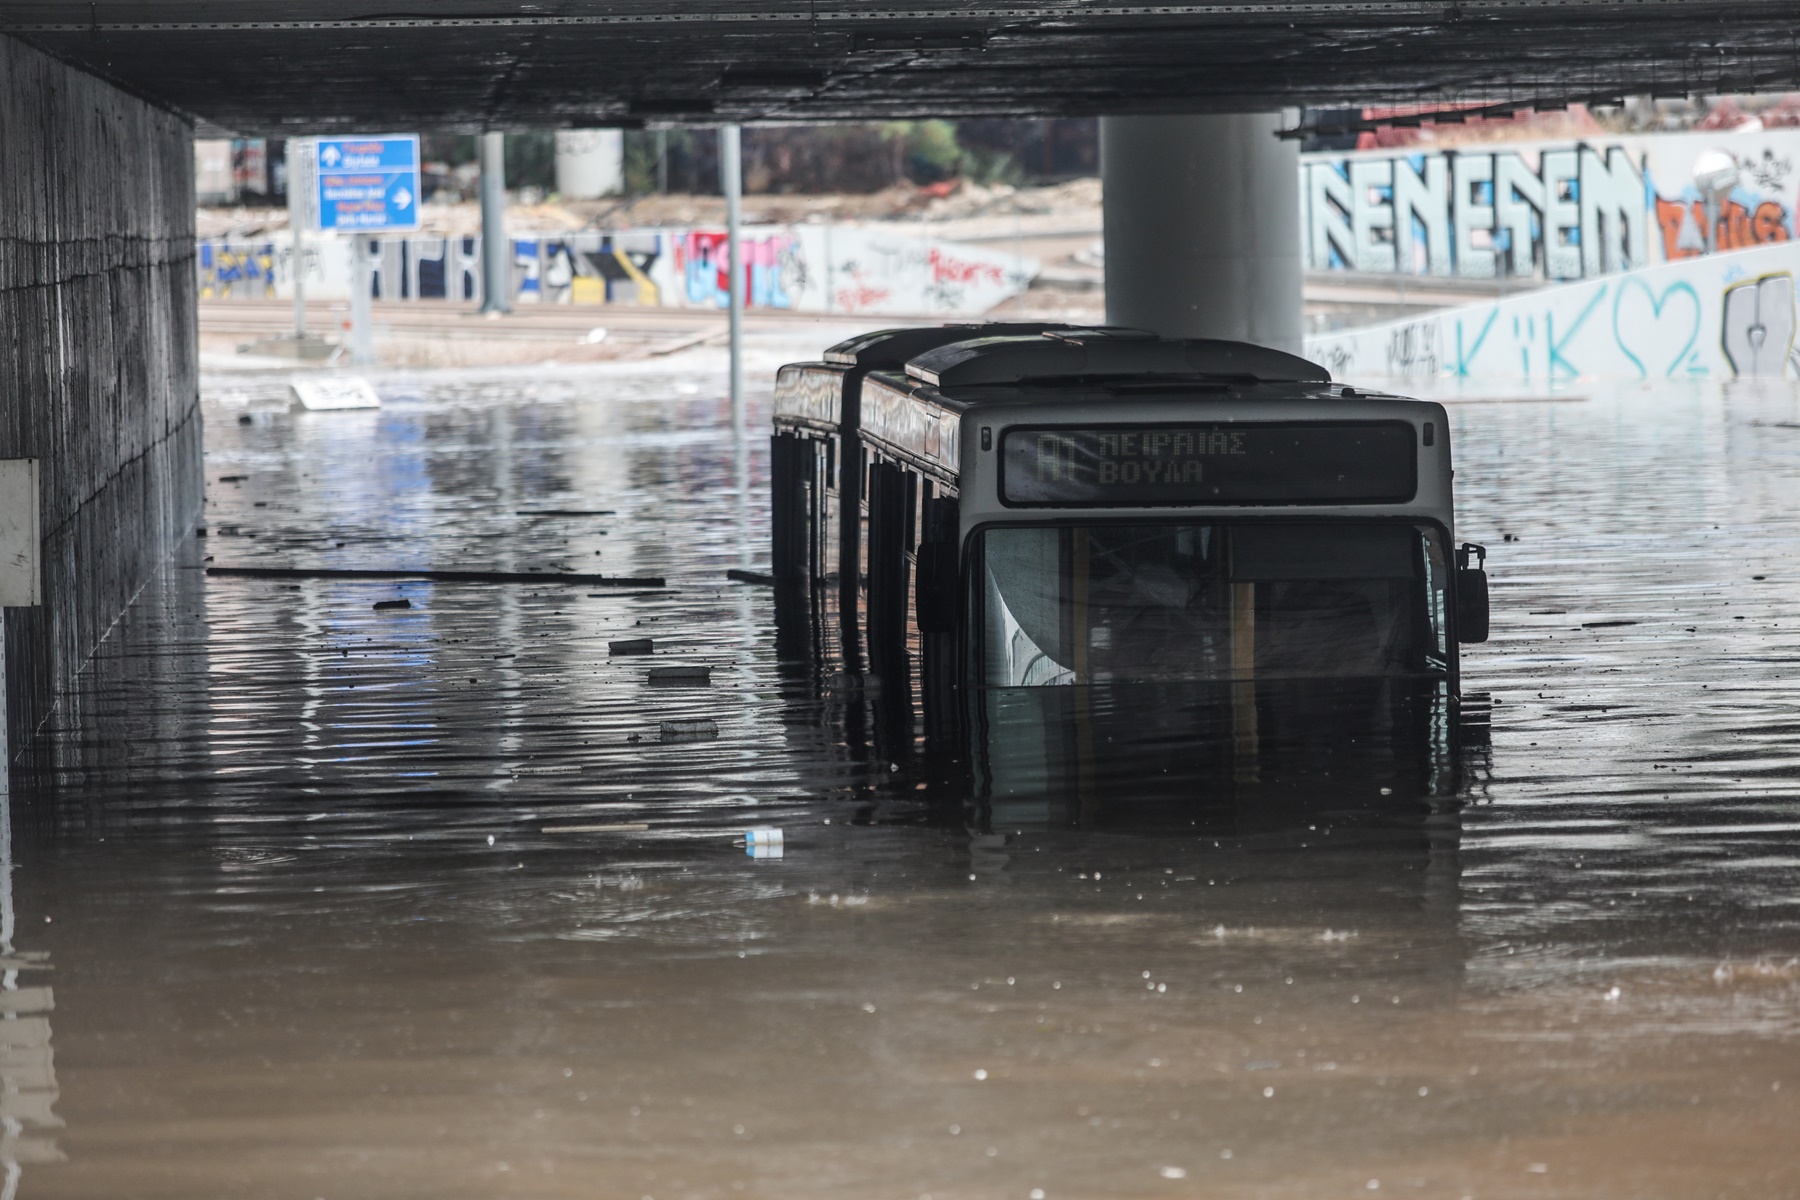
807 268
1727 316
1555 210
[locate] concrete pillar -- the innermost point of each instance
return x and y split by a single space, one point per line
590 163
496 247
1202 218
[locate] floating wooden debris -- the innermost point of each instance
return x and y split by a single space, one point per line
687 675
632 646
645 581
564 512
689 731
403 602
750 577
624 828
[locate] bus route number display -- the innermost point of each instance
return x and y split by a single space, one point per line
1314 462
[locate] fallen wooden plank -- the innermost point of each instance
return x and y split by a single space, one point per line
564 512
596 828
646 581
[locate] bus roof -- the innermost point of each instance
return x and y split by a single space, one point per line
891 349
1089 353
921 424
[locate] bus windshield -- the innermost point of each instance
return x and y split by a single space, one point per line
1109 603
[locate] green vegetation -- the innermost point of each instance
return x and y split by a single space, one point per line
815 159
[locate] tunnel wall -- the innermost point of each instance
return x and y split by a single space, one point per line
99 363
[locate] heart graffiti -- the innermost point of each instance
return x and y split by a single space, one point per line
1646 325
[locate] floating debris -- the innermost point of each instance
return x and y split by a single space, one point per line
689 731
750 577
692 676
329 394
632 646
761 843
626 827
403 602
647 581
565 512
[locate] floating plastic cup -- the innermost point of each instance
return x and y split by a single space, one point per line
763 843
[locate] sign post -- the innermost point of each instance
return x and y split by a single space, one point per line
302 174
362 338
366 186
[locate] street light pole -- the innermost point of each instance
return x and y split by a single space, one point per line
731 176
300 185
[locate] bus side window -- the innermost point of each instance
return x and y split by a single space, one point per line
789 515
939 587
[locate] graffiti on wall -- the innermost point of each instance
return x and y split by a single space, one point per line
1756 328
1573 213
774 266
1728 317
1551 211
579 268
599 268
813 268
880 272
236 272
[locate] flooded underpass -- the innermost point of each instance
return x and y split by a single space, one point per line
312 898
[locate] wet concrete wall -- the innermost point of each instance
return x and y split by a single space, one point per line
98 354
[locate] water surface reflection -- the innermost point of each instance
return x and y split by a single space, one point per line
313 937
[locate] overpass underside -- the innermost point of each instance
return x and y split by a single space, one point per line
268 66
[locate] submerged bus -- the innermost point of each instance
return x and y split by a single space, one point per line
819 471
1020 525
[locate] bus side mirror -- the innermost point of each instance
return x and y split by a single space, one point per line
1471 594
937 587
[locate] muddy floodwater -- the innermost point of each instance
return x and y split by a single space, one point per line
314 899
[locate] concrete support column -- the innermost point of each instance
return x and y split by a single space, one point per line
496 247
1202 219
590 163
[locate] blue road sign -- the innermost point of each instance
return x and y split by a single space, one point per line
368 185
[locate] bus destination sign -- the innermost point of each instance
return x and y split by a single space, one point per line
1310 462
